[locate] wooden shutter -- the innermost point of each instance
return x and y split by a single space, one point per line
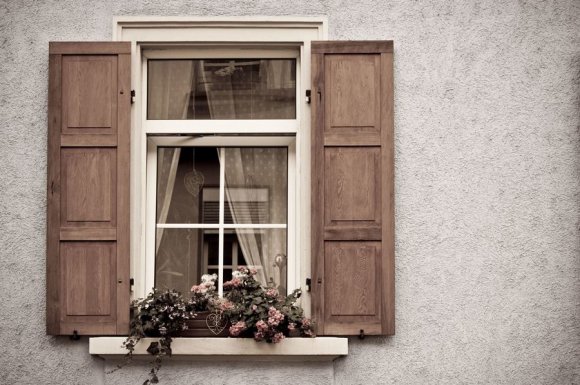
88 188
352 187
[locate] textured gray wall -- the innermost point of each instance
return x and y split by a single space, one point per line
487 98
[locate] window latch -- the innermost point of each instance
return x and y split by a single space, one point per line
308 94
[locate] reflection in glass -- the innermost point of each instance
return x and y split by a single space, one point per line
221 89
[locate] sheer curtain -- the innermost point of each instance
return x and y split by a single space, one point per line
256 176
249 169
169 91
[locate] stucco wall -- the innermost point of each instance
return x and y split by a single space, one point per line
487 106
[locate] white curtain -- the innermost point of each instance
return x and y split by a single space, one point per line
254 177
247 169
170 87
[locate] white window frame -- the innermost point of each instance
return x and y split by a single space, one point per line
268 32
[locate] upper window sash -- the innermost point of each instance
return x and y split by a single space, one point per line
225 126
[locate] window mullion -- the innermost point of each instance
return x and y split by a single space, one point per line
221 222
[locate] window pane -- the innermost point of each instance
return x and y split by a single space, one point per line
256 188
211 241
265 250
178 258
221 89
182 175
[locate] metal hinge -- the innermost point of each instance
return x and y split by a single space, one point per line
75 336
131 283
308 284
132 96
308 94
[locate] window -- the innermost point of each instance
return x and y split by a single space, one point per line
219 201
217 208
229 103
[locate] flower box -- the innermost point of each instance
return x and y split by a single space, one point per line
198 327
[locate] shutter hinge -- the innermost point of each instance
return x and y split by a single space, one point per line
308 93
131 283
361 334
75 336
308 284
132 96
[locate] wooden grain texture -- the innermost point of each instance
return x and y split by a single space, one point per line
317 197
88 234
352 84
352 46
88 189
359 259
86 283
89 48
123 192
53 197
89 89
388 191
352 188
88 140
351 185
88 180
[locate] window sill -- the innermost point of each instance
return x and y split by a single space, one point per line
291 349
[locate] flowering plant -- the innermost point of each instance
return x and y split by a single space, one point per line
262 312
253 311
161 314
204 293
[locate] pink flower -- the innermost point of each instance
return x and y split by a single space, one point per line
272 292
254 307
253 271
199 289
277 337
306 322
291 326
225 304
262 326
233 283
274 317
237 328
258 336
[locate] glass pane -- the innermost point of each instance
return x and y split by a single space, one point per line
178 258
211 240
182 175
265 250
256 188
221 89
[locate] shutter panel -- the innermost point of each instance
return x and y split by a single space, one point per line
88 188
353 187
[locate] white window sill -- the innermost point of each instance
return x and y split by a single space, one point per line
290 349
